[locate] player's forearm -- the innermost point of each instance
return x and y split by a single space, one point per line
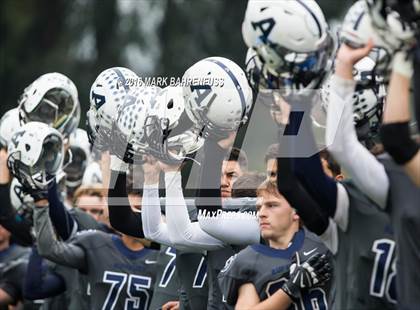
343 144
209 188
62 221
49 247
153 226
121 216
184 234
225 227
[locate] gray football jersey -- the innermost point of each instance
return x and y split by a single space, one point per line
167 284
119 278
366 257
192 274
404 208
267 269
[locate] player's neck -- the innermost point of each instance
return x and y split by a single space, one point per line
133 244
283 241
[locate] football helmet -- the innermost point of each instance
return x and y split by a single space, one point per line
9 123
292 39
258 77
219 98
35 155
368 99
76 158
107 94
356 30
22 202
51 99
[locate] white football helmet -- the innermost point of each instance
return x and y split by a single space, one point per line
22 202
219 98
76 158
107 94
292 39
357 29
9 123
35 155
51 99
368 99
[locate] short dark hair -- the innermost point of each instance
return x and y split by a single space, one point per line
238 155
332 164
247 184
273 151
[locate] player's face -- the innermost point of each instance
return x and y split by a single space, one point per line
92 205
231 171
275 216
271 170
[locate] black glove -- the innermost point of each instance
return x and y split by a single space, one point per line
313 272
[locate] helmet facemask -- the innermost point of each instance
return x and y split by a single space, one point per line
56 109
75 165
297 71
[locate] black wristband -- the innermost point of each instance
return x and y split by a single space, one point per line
397 142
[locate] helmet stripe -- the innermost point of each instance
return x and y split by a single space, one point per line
235 82
358 21
313 16
122 78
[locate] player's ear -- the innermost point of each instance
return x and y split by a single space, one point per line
295 216
339 177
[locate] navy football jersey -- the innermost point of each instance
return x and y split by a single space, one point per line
268 268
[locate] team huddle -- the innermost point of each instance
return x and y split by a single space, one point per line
155 206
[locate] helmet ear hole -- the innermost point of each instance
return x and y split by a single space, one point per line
170 104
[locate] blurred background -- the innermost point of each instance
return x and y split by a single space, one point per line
81 38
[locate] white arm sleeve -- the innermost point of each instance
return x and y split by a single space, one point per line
184 234
367 172
226 225
153 226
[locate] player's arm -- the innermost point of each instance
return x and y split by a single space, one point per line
395 132
9 219
121 216
40 282
154 227
225 227
248 299
61 219
183 233
67 254
366 171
